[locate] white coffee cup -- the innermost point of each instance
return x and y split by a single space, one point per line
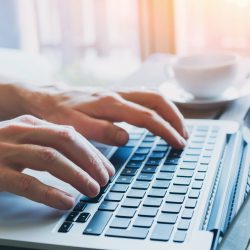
206 75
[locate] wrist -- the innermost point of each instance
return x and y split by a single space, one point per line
31 100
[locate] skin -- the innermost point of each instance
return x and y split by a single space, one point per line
54 136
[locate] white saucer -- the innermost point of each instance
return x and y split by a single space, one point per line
182 98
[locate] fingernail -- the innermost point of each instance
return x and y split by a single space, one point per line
185 133
183 142
121 137
94 188
104 177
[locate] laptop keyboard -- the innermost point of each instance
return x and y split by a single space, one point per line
156 189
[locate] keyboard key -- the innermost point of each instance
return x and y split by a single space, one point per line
145 177
136 193
196 152
164 176
209 147
120 157
79 207
141 185
153 162
180 236
146 144
197 184
171 208
167 218
149 169
190 203
83 217
207 153
120 223
194 194
129 171
205 160
152 202
71 217
172 161
98 223
65 227
143 222
129 202
161 148
182 181
136 157
125 212
105 188
119 188
168 168
157 155
143 151
187 213
188 165
190 158
161 184
124 179
108 206
178 189
200 176
132 143
92 200
149 139
156 192
175 198
162 232
162 142
148 211
111 196
175 153
195 146
202 168
133 233
134 136
133 164
183 224
185 173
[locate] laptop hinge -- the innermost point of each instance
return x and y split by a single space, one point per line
226 179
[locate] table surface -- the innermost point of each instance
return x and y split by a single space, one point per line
151 75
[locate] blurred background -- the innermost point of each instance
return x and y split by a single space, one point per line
103 41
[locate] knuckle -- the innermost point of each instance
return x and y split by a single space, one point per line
47 194
26 182
48 154
14 127
148 114
67 134
110 98
27 118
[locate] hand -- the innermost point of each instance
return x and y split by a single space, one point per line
29 142
93 113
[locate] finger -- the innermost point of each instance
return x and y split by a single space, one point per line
48 159
71 144
96 129
161 105
143 117
29 187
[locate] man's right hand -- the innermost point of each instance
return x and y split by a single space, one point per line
28 142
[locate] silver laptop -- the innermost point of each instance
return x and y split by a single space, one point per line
160 198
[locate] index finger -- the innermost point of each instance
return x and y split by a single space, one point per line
157 102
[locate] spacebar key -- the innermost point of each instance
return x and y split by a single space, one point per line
133 233
98 223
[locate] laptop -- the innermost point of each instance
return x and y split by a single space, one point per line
160 198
